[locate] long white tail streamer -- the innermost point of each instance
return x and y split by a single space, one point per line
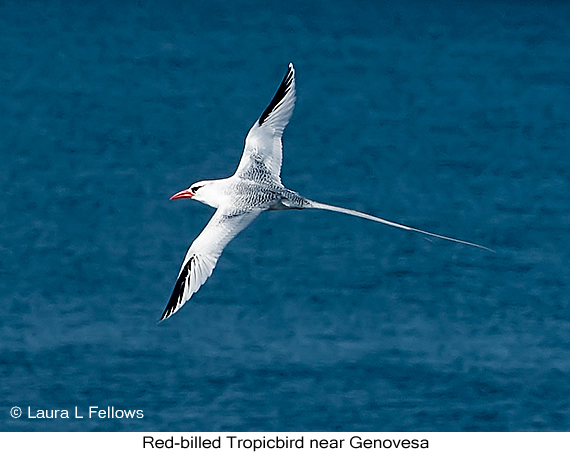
356 213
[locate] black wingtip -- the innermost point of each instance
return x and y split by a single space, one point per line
167 312
283 89
177 293
171 306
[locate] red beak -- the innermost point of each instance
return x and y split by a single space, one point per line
182 194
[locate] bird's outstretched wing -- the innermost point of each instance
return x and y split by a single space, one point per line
263 150
204 253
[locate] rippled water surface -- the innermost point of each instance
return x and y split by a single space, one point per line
444 116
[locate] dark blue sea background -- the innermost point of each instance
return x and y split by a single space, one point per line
447 116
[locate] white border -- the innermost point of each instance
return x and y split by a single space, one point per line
439 442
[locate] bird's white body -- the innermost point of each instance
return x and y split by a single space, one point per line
255 186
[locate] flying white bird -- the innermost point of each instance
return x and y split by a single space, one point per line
255 186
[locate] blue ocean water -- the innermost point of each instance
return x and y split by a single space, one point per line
447 116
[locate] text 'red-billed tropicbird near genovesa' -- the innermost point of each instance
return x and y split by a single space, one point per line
256 186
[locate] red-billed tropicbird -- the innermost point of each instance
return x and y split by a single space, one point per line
255 186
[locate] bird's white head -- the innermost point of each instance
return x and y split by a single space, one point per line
206 191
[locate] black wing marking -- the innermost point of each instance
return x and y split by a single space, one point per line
279 95
178 292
